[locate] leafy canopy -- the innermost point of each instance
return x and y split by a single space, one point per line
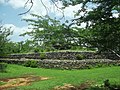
102 18
50 33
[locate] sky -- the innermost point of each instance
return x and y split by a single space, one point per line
9 10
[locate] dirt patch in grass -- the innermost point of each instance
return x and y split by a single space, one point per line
65 87
82 86
21 81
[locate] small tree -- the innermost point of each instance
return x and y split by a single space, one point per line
4 34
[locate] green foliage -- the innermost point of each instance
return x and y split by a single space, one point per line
18 47
48 32
115 86
30 63
80 56
107 86
107 83
8 47
42 56
27 63
33 64
99 65
4 34
102 26
24 46
36 50
3 67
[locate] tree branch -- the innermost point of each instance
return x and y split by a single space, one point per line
59 9
115 53
31 1
29 8
44 6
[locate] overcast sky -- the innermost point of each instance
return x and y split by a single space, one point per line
9 10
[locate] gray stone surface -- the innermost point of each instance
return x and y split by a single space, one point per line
66 64
65 55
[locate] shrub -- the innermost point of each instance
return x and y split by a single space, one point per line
42 56
31 63
27 63
3 67
80 57
99 65
115 87
36 50
106 86
89 67
106 83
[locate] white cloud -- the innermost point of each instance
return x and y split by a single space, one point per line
27 16
14 3
17 3
69 10
40 8
116 15
17 31
2 1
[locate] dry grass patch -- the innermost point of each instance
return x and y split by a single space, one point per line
21 81
82 86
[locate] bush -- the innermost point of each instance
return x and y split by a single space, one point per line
3 67
36 50
115 87
80 57
27 63
105 86
42 56
31 63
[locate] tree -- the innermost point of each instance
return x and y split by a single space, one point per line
102 26
4 34
50 33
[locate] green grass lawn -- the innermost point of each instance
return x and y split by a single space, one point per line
60 77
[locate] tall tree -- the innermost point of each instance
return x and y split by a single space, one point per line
102 26
50 33
102 18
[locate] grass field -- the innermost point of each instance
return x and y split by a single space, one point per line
60 77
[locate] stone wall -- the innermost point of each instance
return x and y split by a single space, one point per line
64 55
75 64
88 55
66 64
69 55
